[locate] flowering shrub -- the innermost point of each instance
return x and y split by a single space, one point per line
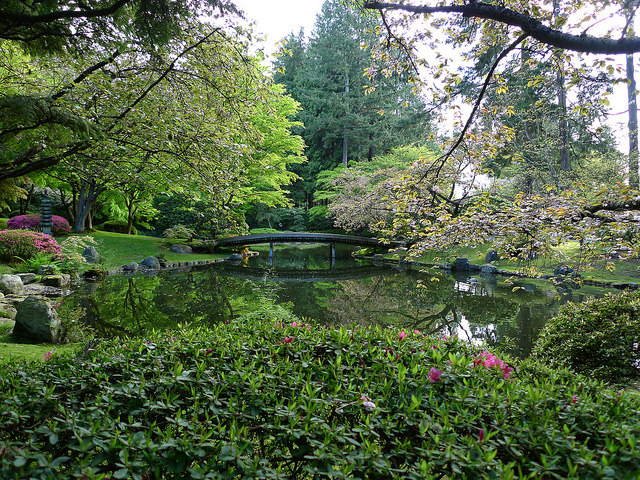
489 360
237 401
32 222
25 244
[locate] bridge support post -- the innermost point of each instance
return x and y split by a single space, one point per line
332 255
271 254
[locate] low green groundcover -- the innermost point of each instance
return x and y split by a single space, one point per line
262 399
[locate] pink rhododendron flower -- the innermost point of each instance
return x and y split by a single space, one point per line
402 335
294 324
489 360
25 244
48 355
481 435
417 332
32 222
435 374
288 340
574 399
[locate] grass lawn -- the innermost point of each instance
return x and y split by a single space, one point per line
117 249
623 271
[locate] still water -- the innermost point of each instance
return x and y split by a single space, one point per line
303 280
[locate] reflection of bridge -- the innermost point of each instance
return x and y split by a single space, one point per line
303 275
306 237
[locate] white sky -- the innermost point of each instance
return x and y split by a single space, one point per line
278 18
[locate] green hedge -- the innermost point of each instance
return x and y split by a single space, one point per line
268 400
116 226
599 337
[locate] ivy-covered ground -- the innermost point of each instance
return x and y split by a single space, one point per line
258 398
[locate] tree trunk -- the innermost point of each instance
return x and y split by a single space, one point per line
129 200
27 201
67 205
565 166
345 140
633 124
89 221
372 149
86 198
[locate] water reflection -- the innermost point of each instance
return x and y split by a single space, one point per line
480 308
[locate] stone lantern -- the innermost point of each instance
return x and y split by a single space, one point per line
45 215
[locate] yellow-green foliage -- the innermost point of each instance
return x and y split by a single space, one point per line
10 192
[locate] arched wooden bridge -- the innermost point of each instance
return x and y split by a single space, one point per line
305 237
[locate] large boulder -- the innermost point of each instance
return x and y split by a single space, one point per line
177 248
488 269
90 254
150 262
461 265
492 256
37 320
131 267
11 284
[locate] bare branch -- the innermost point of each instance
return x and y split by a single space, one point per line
479 99
85 74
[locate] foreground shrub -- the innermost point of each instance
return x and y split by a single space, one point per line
24 244
599 337
32 222
273 400
117 226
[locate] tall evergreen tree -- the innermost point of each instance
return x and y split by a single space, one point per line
345 118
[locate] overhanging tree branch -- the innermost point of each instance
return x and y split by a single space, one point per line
529 25
15 19
442 160
162 76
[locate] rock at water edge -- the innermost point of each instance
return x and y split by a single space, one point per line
150 262
90 255
37 320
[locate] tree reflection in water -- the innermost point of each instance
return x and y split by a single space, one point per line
481 309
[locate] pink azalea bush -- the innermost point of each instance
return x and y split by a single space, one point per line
25 244
489 360
32 222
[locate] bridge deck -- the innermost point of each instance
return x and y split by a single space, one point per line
305 237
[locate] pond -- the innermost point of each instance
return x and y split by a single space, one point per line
304 281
